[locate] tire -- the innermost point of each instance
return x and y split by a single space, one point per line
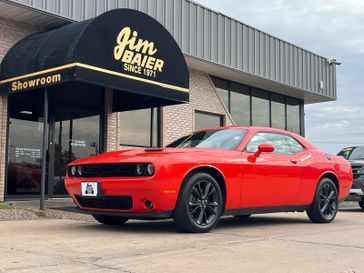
242 216
325 203
199 205
110 220
361 203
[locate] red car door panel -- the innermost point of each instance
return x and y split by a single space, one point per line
273 180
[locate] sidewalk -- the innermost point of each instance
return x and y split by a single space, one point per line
58 208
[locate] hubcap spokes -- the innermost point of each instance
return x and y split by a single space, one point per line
203 203
328 202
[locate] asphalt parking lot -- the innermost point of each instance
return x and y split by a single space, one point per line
283 242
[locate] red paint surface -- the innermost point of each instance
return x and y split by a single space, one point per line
273 180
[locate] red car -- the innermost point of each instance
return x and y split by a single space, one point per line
221 171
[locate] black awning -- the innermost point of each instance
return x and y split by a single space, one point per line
122 49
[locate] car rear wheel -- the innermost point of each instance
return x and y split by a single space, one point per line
361 203
199 205
325 204
110 220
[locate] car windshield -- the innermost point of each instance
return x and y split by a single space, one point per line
352 153
228 139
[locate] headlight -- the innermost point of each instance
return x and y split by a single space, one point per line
79 170
139 169
150 169
144 169
73 170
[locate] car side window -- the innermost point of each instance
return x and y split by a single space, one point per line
277 140
283 144
293 145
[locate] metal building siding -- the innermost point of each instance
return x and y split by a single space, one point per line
209 35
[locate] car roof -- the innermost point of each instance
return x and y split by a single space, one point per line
250 128
254 129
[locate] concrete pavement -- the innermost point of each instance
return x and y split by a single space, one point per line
283 242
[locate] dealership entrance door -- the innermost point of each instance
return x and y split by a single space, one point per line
74 133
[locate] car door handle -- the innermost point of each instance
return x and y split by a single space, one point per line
294 161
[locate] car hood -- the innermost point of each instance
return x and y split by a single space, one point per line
143 155
356 163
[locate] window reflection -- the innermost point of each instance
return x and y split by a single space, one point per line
283 144
25 151
205 120
293 115
139 128
260 108
278 111
251 106
240 104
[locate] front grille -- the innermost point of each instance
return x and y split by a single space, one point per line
111 202
355 170
108 170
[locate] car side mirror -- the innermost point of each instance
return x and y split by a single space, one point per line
262 148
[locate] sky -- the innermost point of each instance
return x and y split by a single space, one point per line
331 28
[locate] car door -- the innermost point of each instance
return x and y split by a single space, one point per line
274 179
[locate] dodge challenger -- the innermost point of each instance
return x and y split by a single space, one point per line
195 180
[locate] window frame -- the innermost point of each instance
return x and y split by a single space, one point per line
221 116
304 148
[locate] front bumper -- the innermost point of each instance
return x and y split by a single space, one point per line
126 197
141 216
358 187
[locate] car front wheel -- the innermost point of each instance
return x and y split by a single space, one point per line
110 220
325 203
199 205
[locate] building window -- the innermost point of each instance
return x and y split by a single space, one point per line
140 128
240 104
278 111
222 88
207 120
260 108
252 106
293 115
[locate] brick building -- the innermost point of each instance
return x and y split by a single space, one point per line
238 75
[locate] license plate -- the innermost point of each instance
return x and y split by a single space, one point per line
89 188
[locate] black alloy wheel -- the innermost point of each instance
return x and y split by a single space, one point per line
203 203
328 200
325 204
199 205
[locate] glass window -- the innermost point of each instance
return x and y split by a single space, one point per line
260 108
139 128
293 115
346 152
207 120
357 154
240 104
224 95
178 141
252 106
294 146
277 140
228 139
222 87
278 111
25 156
